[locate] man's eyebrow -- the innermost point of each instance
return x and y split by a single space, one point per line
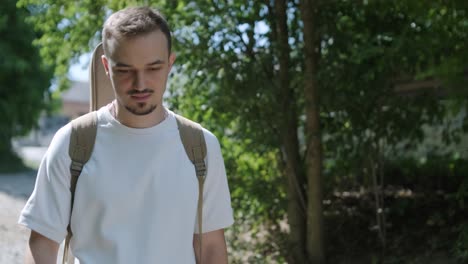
156 62
120 64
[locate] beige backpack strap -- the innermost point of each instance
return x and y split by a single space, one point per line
194 143
81 146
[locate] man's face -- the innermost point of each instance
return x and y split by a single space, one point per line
138 68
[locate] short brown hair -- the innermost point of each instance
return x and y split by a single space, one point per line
134 21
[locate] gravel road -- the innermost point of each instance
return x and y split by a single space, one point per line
14 191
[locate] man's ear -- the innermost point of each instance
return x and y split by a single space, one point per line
172 59
105 63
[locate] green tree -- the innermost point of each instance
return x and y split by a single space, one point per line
24 80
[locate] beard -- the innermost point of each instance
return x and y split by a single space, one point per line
141 109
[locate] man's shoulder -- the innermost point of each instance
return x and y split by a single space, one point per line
210 138
58 147
62 135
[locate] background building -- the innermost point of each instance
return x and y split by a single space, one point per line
75 101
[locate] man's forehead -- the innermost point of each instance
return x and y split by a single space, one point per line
143 51
156 39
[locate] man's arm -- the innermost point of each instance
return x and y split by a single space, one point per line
41 250
213 248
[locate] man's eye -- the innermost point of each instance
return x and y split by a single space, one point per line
122 71
154 69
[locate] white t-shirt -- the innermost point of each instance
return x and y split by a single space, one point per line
136 198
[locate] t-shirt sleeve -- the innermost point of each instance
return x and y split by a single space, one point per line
217 210
47 210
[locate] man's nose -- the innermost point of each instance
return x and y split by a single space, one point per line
139 80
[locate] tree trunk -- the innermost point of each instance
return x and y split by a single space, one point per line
313 159
289 142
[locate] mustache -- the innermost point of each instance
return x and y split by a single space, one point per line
133 92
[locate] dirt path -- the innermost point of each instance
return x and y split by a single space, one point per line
14 191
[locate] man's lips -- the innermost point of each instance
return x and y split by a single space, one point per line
141 96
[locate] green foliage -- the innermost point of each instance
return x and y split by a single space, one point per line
425 218
70 29
461 246
24 79
366 51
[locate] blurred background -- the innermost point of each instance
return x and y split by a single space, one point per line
343 123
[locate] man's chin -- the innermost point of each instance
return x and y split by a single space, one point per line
141 110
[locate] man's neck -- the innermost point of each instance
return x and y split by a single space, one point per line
136 121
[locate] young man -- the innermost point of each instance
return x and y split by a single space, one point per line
136 198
